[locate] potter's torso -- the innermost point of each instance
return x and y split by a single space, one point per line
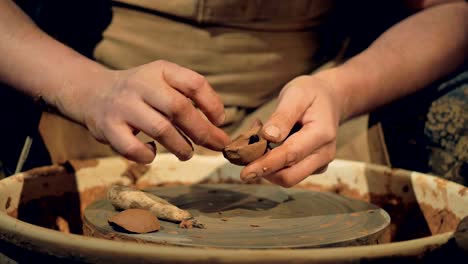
247 49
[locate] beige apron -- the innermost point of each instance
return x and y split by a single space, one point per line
247 50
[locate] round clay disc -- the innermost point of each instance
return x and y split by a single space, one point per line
254 216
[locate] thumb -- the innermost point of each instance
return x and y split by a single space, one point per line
289 111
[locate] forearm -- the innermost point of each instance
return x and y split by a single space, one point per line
40 66
407 57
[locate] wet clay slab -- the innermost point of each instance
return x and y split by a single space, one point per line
254 216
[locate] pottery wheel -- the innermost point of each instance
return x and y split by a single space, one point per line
254 216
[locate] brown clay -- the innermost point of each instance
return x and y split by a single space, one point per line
191 223
135 171
136 221
62 225
439 220
247 147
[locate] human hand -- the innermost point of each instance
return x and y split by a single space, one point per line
154 98
311 102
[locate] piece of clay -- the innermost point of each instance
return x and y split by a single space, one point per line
136 221
191 223
123 197
247 147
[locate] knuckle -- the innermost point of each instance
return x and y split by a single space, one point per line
194 84
283 117
201 138
327 134
292 156
295 85
179 107
96 131
300 81
159 129
118 102
130 150
160 63
196 81
130 83
106 123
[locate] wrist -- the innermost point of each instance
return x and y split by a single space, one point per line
81 82
339 87
353 86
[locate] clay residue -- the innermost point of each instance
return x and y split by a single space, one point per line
81 164
62 225
90 195
13 213
135 171
59 213
407 220
191 223
46 171
462 191
439 220
89 230
187 224
339 188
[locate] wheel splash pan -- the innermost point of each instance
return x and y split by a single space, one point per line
425 210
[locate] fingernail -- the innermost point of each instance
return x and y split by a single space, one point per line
151 146
272 131
187 157
250 176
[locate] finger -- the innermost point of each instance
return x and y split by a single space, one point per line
124 142
291 107
313 164
298 146
154 124
180 111
195 87
152 146
321 170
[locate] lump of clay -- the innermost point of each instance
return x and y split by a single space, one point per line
191 223
246 148
136 221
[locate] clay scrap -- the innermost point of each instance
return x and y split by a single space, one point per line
136 221
191 223
247 147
